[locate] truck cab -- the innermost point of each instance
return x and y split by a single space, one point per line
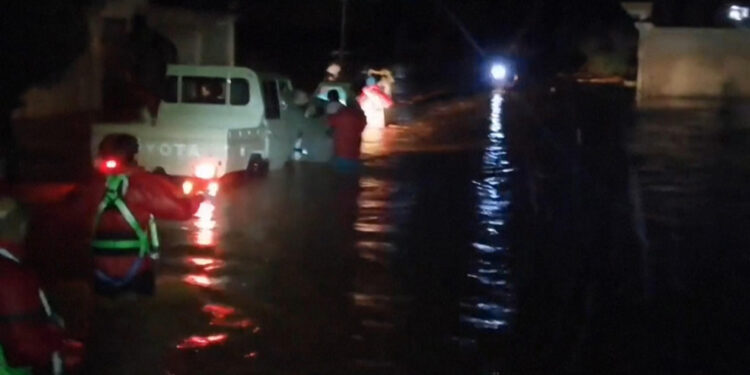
215 120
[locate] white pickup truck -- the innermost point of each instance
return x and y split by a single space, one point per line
215 120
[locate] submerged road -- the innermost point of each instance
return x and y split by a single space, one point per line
491 235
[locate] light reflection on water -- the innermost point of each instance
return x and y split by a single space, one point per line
490 305
205 225
383 204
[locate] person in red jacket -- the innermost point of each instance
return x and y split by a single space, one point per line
376 98
347 124
31 335
125 241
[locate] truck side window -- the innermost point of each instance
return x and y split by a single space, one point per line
239 91
204 90
271 100
170 89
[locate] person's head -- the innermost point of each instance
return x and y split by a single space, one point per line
333 95
334 104
205 91
332 72
122 147
14 220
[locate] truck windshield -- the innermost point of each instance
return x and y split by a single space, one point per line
205 90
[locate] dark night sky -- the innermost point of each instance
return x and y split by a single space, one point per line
292 35
284 34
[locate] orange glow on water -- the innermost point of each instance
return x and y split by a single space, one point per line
205 237
205 211
205 224
198 342
219 311
234 324
199 280
201 261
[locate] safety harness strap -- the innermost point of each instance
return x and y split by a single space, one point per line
5 368
116 244
132 273
45 313
117 186
154 234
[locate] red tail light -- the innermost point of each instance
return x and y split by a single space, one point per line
110 164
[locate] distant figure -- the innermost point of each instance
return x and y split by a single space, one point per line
334 102
125 243
347 124
386 80
31 335
332 72
374 100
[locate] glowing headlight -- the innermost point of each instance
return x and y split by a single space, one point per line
205 171
739 13
110 164
187 187
499 71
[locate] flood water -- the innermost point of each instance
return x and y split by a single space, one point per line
493 235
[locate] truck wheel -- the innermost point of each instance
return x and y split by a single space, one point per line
160 171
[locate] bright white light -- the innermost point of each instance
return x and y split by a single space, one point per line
499 71
187 187
739 13
205 210
205 237
205 171
111 164
213 188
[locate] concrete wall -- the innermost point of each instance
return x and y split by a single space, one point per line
200 39
693 63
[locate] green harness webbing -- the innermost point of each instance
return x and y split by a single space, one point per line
5 368
117 186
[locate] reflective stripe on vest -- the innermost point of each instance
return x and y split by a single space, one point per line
41 315
7 255
117 187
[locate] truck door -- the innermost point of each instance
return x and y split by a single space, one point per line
282 132
252 136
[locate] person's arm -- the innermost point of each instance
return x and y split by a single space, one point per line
35 340
165 200
387 75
